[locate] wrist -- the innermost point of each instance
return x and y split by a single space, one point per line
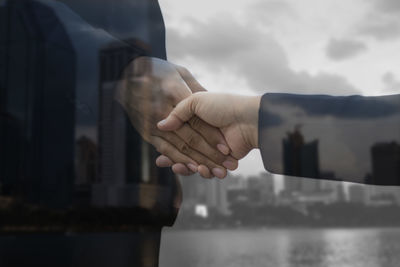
249 119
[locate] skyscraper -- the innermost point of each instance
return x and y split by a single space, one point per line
37 108
261 189
300 159
126 175
386 162
385 169
64 141
358 194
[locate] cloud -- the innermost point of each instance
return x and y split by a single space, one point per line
389 6
392 85
383 21
224 44
269 12
344 49
381 27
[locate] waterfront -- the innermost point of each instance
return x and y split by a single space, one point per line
366 247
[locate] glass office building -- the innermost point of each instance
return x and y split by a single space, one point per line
70 159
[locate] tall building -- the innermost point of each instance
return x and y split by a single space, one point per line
216 195
212 193
126 173
193 189
36 106
235 181
358 194
300 159
64 141
385 169
260 189
86 161
386 163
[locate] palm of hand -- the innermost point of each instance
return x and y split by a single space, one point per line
148 94
236 141
221 112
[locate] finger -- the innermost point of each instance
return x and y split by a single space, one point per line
213 135
198 142
183 112
164 162
231 163
181 169
187 76
172 152
178 168
181 147
204 172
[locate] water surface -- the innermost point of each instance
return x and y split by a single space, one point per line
281 248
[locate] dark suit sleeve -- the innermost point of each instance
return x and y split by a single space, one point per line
348 138
72 146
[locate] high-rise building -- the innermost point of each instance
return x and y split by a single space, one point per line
260 189
216 195
385 169
36 106
357 194
212 193
300 159
386 163
193 189
64 140
235 181
126 173
86 161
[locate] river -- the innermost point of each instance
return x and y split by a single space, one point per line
370 247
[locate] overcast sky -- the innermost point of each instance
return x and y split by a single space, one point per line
309 46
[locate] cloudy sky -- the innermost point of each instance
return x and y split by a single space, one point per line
309 46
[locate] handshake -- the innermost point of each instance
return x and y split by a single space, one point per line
195 131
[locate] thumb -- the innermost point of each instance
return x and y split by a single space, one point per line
183 112
188 78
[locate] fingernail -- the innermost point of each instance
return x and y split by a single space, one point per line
230 165
218 172
162 123
223 149
192 167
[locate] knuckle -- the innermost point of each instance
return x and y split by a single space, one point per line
193 140
162 148
196 123
217 157
184 148
206 162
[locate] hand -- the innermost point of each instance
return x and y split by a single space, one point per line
148 91
236 116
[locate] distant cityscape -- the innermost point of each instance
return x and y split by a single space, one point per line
257 200
254 201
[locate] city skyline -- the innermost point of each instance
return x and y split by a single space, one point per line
317 47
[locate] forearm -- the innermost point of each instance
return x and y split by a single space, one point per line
351 138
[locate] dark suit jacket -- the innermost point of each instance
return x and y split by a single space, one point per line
70 161
349 138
